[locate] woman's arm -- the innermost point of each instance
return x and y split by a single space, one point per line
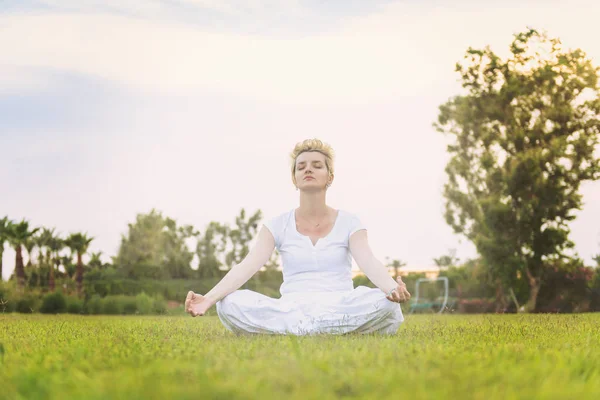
374 269
238 275
368 263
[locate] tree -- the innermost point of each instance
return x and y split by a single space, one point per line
42 242
3 238
67 262
524 137
79 243
273 263
155 247
241 236
55 244
18 235
29 245
396 265
34 272
208 247
96 260
447 260
177 250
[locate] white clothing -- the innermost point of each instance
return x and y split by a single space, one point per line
317 294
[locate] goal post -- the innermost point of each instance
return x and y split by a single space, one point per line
415 304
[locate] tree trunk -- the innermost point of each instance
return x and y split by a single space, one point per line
56 265
1 253
500 297
51 283
79 275
20 271
534 289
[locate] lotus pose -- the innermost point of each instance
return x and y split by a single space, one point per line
316 243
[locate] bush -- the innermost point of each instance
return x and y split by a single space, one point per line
129 305
110 282
113 305
144 304
74 305
27 303
7 305
53 303
595 299
475 306
566 288
93 305
362 280
469 280
120 304
6 295
160 305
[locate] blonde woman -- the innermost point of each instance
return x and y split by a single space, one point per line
316 243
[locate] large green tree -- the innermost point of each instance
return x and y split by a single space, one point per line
155 246
524 136
79 244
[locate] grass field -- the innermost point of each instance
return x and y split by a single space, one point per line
431 357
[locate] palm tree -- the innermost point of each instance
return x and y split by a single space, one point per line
3 237
79 243
18 235
29 246
96 260
42 241
447 260
396 264
34 268
55 245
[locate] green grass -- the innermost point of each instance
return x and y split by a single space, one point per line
431 357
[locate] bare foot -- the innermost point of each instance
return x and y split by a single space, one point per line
196 304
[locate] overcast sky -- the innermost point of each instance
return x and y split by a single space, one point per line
109 109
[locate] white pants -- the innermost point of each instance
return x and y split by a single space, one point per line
362 310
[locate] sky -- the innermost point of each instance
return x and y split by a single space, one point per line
191 107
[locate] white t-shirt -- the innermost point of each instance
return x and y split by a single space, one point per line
324 267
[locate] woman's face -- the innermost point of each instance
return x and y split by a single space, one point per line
311 172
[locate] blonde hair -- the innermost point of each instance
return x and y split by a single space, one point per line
312 145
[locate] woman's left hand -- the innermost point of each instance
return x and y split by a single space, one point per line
399 294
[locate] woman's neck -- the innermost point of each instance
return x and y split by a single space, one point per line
313 205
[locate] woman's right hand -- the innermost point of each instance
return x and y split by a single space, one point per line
196 304
399 294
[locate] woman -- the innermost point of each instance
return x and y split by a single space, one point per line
316 243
